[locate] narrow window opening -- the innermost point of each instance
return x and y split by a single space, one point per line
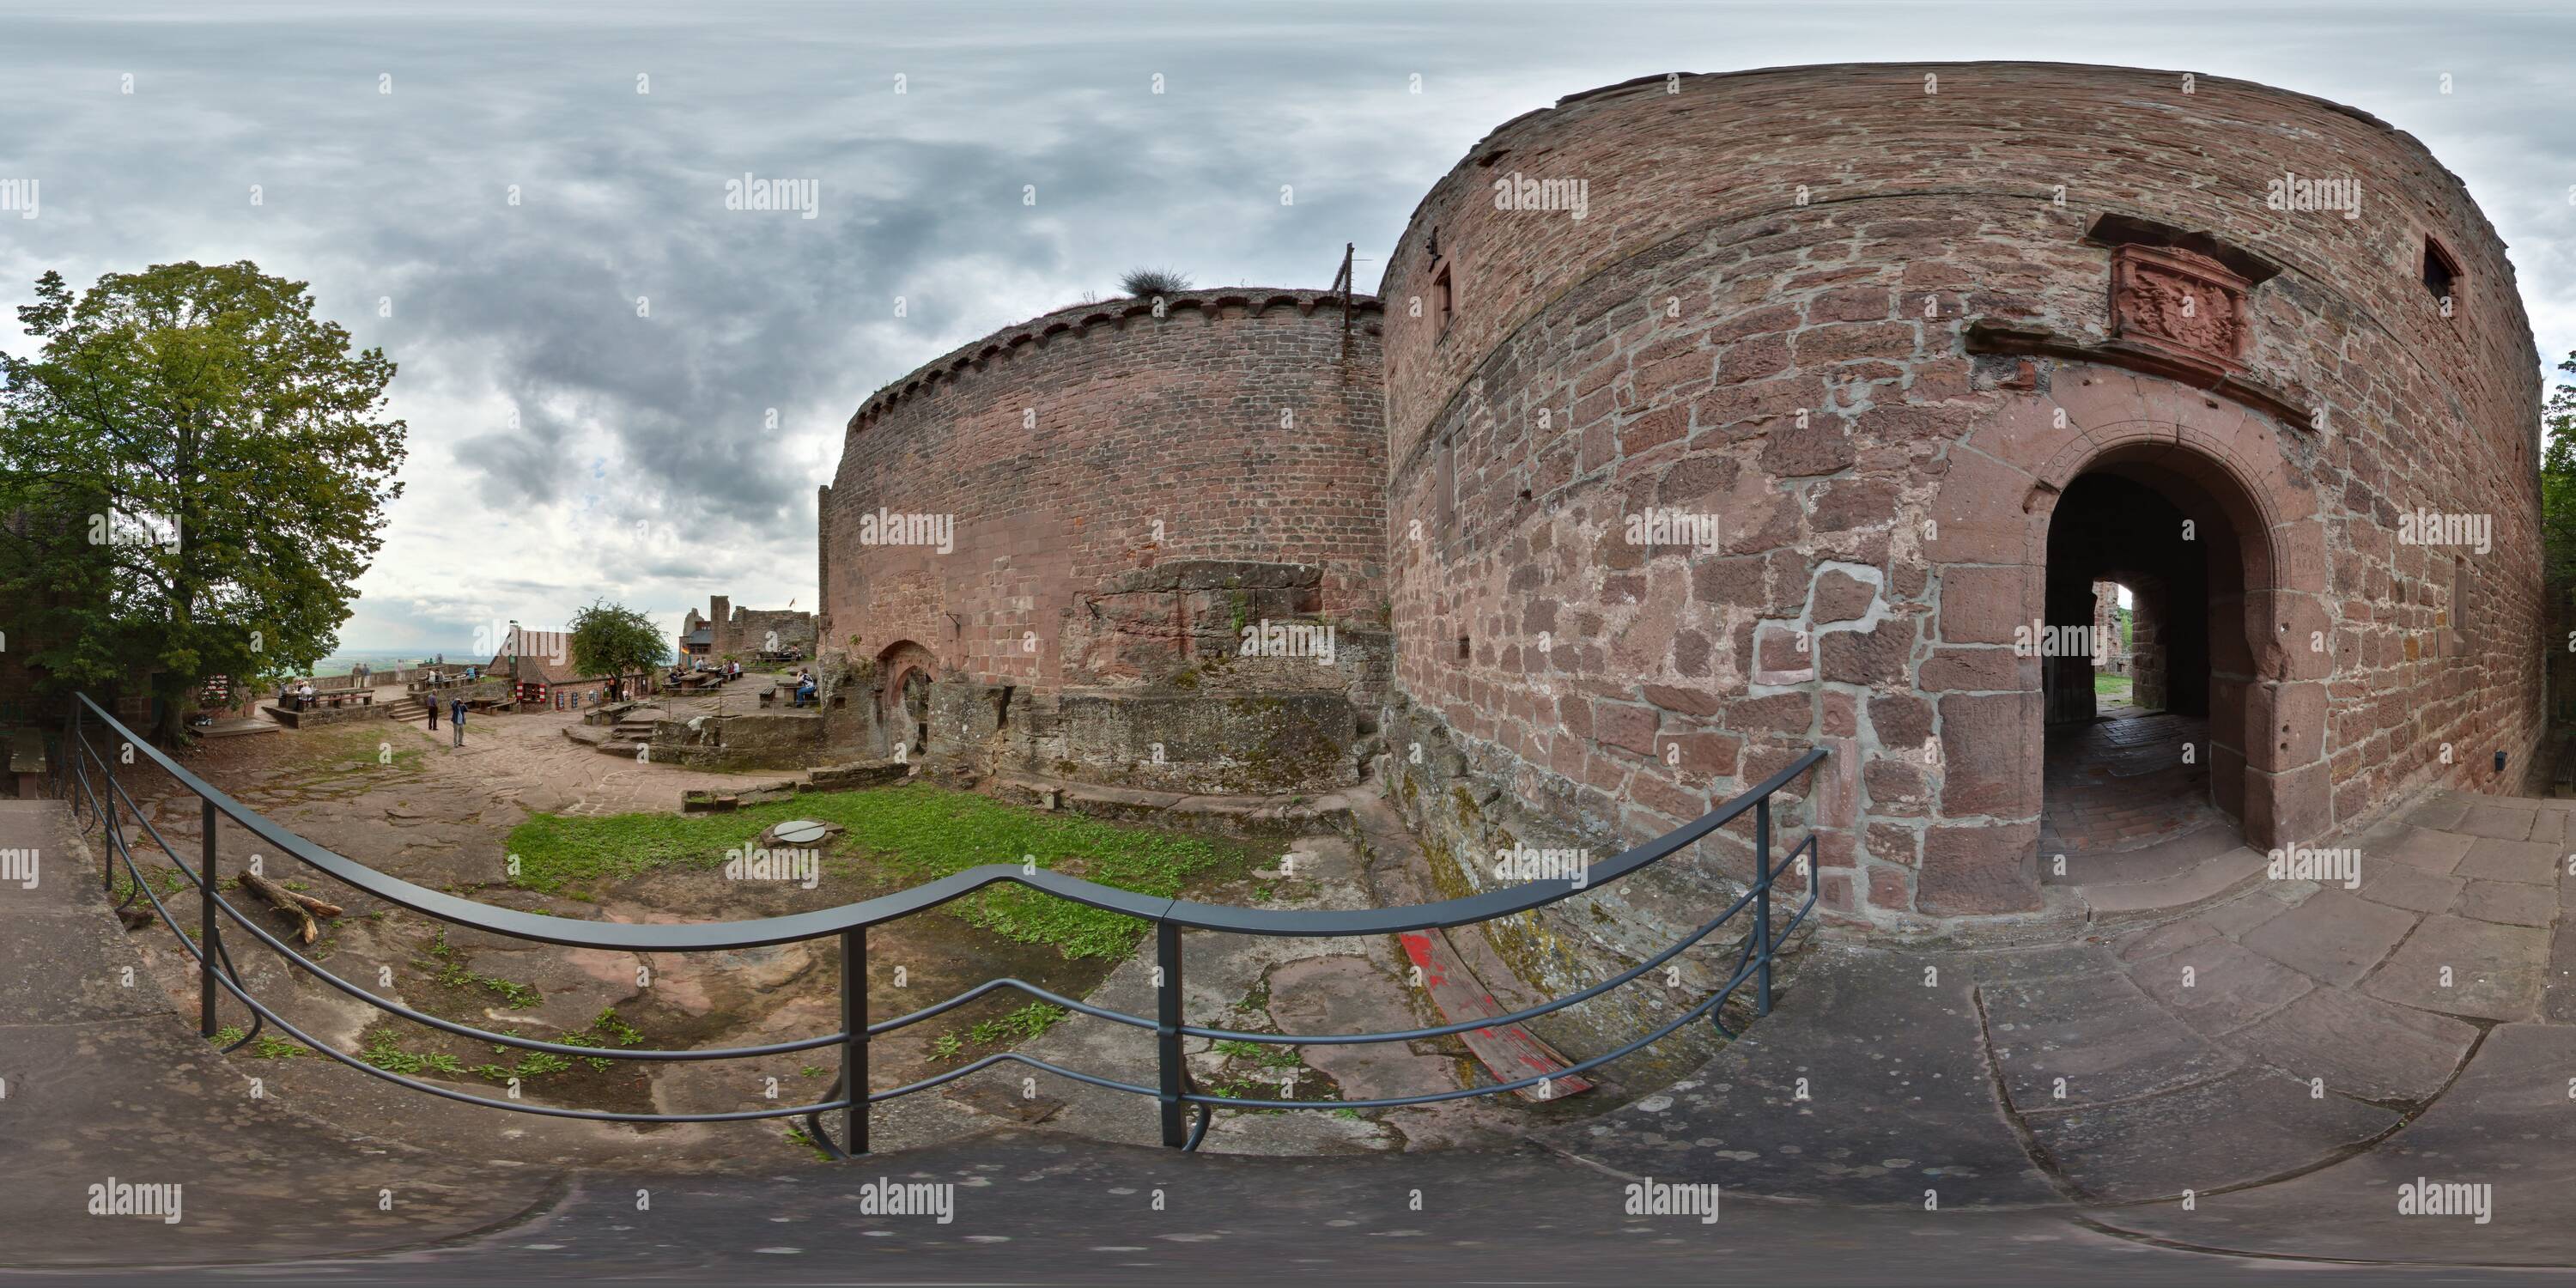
1464 652
1442 298
2441 276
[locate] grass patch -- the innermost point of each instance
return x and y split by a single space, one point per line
1005 1030
268 1047
382 1052
2115 686
1260 1053
167 882
913 831
514 995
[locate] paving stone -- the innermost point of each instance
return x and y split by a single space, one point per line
2501 822
2502 1123
1901 1095
2243 1127
2361 1045
2495 970
2401 885
2158 941
2227 987
2205 880
2436 852
2549 827
2018 965
2510 861
2099 1033
2558 995
2440 813
2336 937
2510 902
2236 916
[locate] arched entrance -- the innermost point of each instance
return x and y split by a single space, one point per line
905 671
2196 515
2127 786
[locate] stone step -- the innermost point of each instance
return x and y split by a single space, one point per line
2146 863
2198 884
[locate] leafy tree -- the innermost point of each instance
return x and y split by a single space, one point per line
197 470
2558 485
614 640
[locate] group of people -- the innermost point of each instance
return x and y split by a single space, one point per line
455 715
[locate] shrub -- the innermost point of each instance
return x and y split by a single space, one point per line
1143 282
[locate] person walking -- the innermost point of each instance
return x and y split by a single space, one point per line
433 711
456 720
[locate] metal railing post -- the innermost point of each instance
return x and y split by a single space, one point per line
1167 1031
854 1048
209 952
1762 905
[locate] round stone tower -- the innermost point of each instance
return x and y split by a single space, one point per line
1734 415
1135 542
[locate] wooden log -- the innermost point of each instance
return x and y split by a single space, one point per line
300 907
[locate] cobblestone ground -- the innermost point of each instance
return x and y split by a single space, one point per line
2121 784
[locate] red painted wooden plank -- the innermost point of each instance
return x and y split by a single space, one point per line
1509 1051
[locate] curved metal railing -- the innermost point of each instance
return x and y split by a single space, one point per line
1173 1091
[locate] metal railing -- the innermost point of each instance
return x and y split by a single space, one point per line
1173 1090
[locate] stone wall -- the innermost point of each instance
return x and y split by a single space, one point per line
1106 506
1873 332
744 633
749 740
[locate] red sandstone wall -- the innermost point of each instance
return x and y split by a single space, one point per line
1699 339
1060 443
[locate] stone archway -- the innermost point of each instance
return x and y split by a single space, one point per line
1986 537
905 671
2223 469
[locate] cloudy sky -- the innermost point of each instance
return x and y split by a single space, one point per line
659 459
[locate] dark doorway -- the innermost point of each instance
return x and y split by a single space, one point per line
2128 790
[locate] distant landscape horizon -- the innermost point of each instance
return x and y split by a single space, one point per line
341 661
